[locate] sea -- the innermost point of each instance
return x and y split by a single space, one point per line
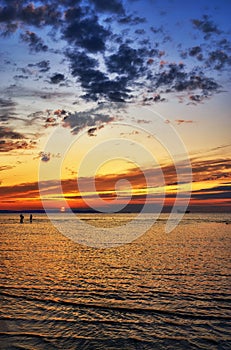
160 291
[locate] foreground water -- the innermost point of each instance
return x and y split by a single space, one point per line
162 291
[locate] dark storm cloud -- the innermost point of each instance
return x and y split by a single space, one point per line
194 51
21 11
40 15
9 29
126 61
95 83
121 67
85 32
148 100
81 62
131 20
162 36
128 65
67 3
218 59
113 6
158 30
57 78
224 44
35 43
206 26
8 13
174 77
140 31
98 86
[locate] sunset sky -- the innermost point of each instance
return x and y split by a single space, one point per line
110 99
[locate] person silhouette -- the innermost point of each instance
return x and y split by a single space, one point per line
21 219
31 218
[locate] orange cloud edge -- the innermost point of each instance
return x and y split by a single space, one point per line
211 190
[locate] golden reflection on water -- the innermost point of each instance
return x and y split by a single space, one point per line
165 283
107 220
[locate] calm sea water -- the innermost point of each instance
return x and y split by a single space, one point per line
162 291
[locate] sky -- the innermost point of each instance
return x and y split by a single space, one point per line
105 104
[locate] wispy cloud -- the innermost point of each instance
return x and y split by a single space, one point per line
214 169
35 43
13 140
7 133
7 109
42 66
93 119
184 121
218 192
138 179
9 145
6 167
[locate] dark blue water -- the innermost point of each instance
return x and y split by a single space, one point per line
162 291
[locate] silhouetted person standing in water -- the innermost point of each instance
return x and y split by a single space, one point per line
31 218
21 219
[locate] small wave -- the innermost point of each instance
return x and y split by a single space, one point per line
121 308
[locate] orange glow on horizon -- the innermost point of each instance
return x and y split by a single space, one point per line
209 188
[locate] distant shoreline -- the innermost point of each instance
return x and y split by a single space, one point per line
92 211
